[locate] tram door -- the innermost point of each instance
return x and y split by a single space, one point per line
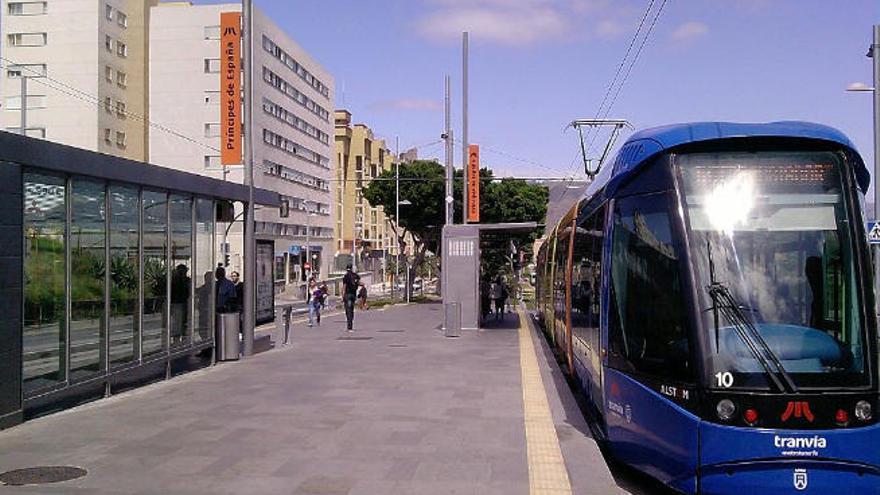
649 363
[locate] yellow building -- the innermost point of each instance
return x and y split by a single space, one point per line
360 158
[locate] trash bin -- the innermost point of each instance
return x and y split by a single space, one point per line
228 343
452 320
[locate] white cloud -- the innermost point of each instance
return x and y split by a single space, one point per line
526 22
502 21
689 31
408 104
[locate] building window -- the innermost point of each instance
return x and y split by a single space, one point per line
121 19
121 49
212 161
212 66
108 104
27 39
26 8
212 32
120 139
108 12
212 130
287 117
295 66
29 70
108 43
285 87
108 136
121 79
108 74
120 109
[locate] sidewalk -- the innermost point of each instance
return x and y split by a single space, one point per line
394 409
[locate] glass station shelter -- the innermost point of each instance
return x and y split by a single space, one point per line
106 273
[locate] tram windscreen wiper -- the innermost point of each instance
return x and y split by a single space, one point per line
724 304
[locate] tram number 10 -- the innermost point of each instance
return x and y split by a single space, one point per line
724 379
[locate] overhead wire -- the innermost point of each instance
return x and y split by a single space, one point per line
603 110
64 88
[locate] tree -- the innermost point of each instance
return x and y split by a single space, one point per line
422 183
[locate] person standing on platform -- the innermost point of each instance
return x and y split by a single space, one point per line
239 290
495 296
350 283
225 298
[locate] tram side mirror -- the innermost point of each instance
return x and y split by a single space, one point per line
225 212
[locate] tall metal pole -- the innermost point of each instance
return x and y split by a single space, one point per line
397 213
308 246
24 92
875 55
250 252
450 174
464 125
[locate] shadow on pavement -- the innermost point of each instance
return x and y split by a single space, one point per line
510 321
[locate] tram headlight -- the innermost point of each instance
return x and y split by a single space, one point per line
725 409
863 410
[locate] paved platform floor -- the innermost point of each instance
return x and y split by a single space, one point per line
397 408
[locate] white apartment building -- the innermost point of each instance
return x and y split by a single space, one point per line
86 63
293 125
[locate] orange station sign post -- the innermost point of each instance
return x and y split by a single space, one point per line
230 88
473 189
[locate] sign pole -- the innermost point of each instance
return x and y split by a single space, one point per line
250 259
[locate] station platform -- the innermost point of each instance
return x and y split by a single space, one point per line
393 408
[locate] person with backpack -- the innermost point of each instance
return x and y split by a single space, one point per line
350 283
316 296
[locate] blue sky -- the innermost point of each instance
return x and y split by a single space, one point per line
538 64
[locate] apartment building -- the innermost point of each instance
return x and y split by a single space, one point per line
85 65
360 228
293 104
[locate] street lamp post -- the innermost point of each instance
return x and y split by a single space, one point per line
400 203
309 215
874 53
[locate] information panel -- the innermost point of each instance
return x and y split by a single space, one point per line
473 189
265 310
230 88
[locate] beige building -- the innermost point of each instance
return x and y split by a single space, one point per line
293 105
85 62
360 158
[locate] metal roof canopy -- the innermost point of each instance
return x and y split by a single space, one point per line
39 153
461 265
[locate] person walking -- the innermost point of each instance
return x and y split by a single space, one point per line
495 296
314 303
350 283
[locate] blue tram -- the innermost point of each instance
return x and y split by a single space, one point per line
712 293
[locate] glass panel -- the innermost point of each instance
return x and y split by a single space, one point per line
181 259
44 270
124 274
204 272
155 272
774 231
647 338
87 317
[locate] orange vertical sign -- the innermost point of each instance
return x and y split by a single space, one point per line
473 174
230 88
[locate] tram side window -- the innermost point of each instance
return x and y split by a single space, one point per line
647 323
559 277
586 277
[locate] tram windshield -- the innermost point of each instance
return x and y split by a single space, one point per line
772 232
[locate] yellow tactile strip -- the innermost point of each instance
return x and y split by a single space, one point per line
547 473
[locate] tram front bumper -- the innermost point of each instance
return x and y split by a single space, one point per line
737 460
